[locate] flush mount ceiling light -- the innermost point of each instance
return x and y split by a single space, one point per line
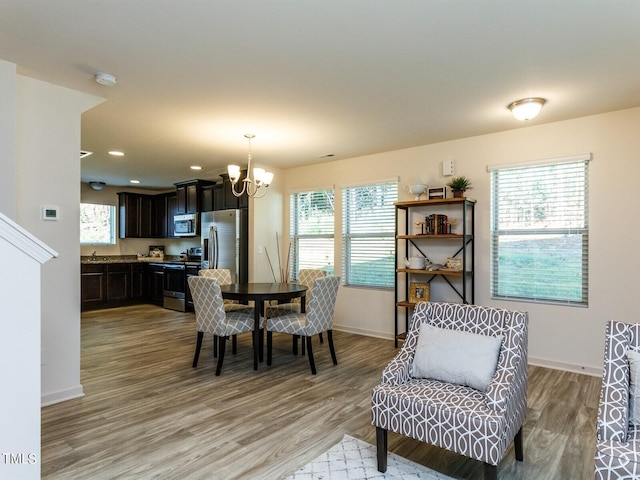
261 178
105 79
96 185
116 153
196 167
135 182
527 108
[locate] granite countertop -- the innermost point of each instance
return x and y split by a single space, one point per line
103 259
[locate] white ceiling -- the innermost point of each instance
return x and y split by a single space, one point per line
310 78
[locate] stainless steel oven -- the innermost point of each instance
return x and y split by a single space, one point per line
174 287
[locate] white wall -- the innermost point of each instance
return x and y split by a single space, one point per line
564 337
48 173
8 139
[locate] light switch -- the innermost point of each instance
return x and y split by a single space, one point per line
447 168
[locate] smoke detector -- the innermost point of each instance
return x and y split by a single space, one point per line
105 79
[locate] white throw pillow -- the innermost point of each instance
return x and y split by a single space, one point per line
634 387
453 356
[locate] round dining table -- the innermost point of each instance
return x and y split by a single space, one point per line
260 293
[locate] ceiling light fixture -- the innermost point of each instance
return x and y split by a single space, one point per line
196 167
134 181
96 185
261 178
105 79
116 153
527 108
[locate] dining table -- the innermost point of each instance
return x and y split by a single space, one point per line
259 293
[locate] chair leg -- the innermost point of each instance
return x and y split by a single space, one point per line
261 345
320 337
234 344
381 447
198 347
331 348
215 346
490 472
312 363
517 445
222 342
269 346
295 344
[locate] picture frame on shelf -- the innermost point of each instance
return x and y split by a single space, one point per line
419 292
437 193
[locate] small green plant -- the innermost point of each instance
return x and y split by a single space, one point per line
459 184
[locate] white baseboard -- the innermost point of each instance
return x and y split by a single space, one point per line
362 331
61 396
567 367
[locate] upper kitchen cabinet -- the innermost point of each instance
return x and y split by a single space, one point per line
189 196
143 216
228 199
129 215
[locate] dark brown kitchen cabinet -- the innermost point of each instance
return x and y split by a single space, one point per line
147 216
156 283
129 215
229 200
93 287
118 282
138 282
189 195
172 210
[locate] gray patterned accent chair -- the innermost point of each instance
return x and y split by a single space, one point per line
618 440
477 424
212 318
317 319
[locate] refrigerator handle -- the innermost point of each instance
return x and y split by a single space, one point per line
216 247
210 247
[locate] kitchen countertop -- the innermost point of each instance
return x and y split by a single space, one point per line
106 259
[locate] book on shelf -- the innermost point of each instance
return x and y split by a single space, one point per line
437 224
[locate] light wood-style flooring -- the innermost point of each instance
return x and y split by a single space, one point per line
147 414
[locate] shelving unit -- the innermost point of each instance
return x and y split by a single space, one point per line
437 247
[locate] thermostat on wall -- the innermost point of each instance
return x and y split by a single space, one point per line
49 212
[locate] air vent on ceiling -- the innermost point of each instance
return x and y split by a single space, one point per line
84 153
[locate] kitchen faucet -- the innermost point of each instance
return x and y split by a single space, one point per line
93 255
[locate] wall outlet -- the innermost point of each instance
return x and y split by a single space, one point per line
260 249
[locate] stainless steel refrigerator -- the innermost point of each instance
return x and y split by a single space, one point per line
225 242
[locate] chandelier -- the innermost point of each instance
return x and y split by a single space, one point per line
256 187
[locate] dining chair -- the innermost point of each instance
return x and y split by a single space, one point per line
212 318
317 319
223 277
306 277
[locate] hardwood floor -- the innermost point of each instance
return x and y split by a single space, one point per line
147 414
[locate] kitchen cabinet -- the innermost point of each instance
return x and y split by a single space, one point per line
144 216
138 282
118 282
156 283
93 287
426 229
129 215
189 196
229 200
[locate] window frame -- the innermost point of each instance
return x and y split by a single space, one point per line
295 236
575 216
353 231
112 224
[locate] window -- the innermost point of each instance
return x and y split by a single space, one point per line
312 231
368 230
97 224
539 232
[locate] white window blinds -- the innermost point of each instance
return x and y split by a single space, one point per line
312 225
368 230
540 232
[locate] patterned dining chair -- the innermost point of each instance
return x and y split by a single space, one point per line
318 318
212 318
223 277
459 383
306 277
618 425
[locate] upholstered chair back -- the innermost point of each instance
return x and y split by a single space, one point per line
322 305
207 300
307 276
221 275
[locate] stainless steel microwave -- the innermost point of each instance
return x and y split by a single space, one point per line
185 225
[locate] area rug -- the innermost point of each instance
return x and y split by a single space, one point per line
353 459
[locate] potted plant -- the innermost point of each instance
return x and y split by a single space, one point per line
458 185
